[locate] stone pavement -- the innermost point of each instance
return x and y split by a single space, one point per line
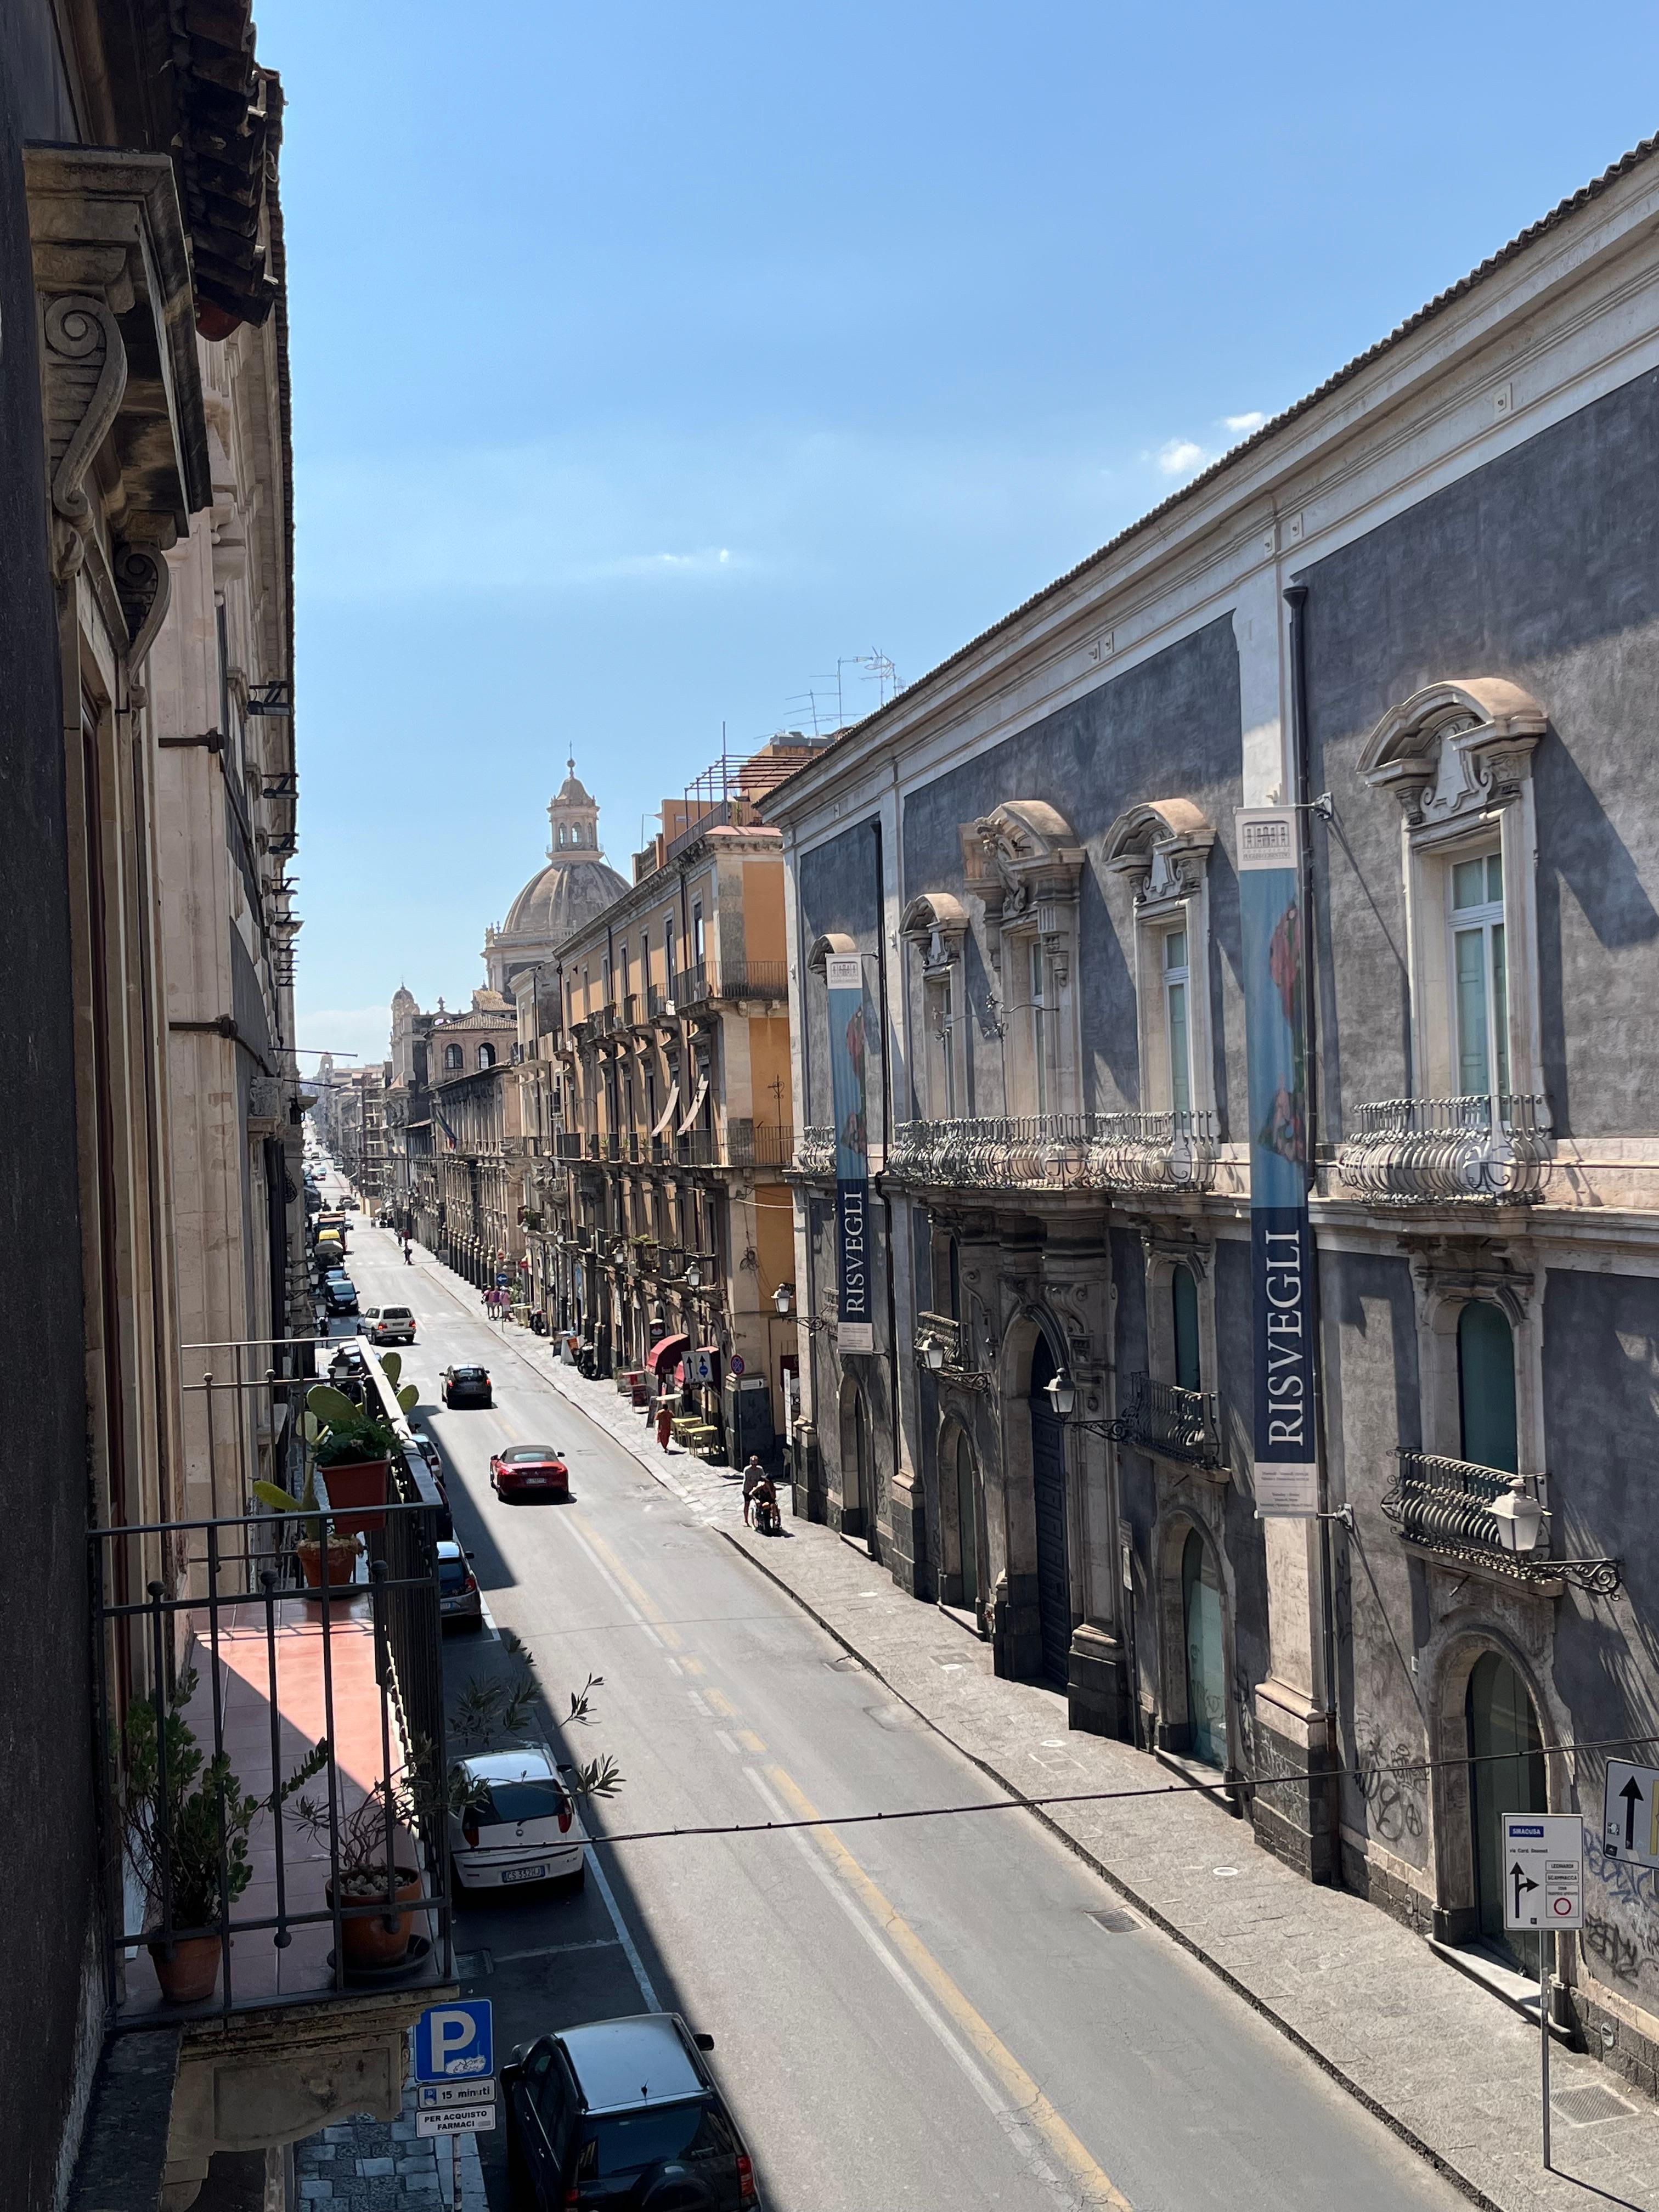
1450 2069
369 2166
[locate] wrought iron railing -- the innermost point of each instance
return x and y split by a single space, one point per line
1128 1152
697 1148
691 985
815 1154
1484 1150
569 1145
351 1672
752 979
759 1144
1445 1505
1176 1424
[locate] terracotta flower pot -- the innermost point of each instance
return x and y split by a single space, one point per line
342 1565
368 1941
191 1973
355 1483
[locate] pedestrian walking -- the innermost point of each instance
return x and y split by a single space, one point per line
664 1424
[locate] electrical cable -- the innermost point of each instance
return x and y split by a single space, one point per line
1106 1796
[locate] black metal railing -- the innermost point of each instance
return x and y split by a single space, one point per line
1482 1151
1445 1505
697 1148
344 1680
691 985
752 979
1176 1424
759 1144
241 1414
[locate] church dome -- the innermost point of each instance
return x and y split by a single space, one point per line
576 884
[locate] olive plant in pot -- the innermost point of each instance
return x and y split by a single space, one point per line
186 1821
315 1529
379 1829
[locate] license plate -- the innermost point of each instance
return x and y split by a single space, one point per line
524 1874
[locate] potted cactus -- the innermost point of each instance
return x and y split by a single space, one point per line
315 1526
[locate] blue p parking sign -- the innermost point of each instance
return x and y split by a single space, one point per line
455 2042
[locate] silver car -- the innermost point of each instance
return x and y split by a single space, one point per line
520 1823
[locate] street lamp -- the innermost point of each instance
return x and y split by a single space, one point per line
783 1298
934 1353
693 1277
1061 1392
1520 1518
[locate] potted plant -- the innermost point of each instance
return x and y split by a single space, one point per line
187 1825
315 1527
411 1797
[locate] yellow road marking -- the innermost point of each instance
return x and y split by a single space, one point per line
636 1590
1095 2187
720 1705
692 1666
751 1741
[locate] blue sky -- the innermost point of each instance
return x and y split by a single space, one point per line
648 359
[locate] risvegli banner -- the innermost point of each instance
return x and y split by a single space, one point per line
844 974
1281 1245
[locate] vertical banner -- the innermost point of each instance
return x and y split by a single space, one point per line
844 972
1281 1246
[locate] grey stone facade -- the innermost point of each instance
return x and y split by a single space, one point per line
1029 844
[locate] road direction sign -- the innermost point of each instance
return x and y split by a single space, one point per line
1629 1812
1543 1870
455 2042
470 2119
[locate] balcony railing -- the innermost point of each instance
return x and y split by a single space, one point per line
1445 1505
350 1676
815 1154
1444 1151
1176 1424
569 1145
1128 1152
752 979
759 1144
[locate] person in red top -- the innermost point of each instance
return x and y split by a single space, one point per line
665 1423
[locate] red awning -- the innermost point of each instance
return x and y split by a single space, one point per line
665 1347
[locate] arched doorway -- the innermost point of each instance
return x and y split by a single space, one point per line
1054 1577
859 1495
1506 1775
1207 1665
1486 1386
959 1488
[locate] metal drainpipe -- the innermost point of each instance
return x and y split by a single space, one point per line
1295 598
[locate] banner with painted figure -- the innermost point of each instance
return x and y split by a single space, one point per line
844 972
1281 1244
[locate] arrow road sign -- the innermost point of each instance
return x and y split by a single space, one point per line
1629 1814
1543 1870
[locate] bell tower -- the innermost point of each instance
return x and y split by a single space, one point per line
573 818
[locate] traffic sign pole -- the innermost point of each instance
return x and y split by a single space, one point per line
1543 1890
1545 1944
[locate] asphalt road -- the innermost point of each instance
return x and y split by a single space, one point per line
950 2013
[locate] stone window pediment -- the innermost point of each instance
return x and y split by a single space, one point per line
1454 749
1161 849
937 926
1035 859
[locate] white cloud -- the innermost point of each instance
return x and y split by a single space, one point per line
1179 456
1243 425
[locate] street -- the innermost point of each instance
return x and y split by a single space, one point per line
952 2012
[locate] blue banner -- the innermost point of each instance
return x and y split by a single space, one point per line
844 972
1281 1243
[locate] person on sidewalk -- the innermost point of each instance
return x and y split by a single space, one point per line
664 1424
753 1475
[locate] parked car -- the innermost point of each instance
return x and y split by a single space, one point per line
388 1325
622 2113
459 1601
520 1823
521 1469
430 1453
339 1294
467 1386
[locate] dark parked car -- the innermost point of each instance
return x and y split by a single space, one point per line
458 1597
467 1386
339 1294
623 2114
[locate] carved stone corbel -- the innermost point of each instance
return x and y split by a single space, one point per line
145 584
86 376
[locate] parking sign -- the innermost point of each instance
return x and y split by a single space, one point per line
455 2042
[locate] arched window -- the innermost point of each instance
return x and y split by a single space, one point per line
1506 1775
486 1055
452 1061
1206 1672
1486 1386
1183 1302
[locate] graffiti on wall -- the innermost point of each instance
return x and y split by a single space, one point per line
1620 1937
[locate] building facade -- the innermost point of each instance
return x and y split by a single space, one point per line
1418 616
657 1053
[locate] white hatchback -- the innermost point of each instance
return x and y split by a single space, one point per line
522 1825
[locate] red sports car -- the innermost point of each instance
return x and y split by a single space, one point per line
526 1470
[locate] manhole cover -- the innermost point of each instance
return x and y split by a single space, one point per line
1592 2102
1114 1921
